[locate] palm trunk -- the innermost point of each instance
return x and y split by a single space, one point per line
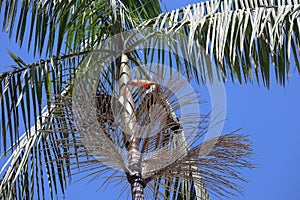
130 129
137 187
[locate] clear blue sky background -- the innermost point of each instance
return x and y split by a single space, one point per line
271 118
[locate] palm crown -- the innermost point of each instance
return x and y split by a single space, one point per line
243 38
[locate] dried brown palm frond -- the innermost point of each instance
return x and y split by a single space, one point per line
171 143
217 168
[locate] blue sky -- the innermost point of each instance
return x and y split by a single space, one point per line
270 117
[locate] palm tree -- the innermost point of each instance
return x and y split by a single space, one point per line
150 142
241 37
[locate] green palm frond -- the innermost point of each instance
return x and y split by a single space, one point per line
71 25
26 89
245 38
61 22
32 169
34 91
142 10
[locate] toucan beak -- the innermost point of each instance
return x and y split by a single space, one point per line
141 83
